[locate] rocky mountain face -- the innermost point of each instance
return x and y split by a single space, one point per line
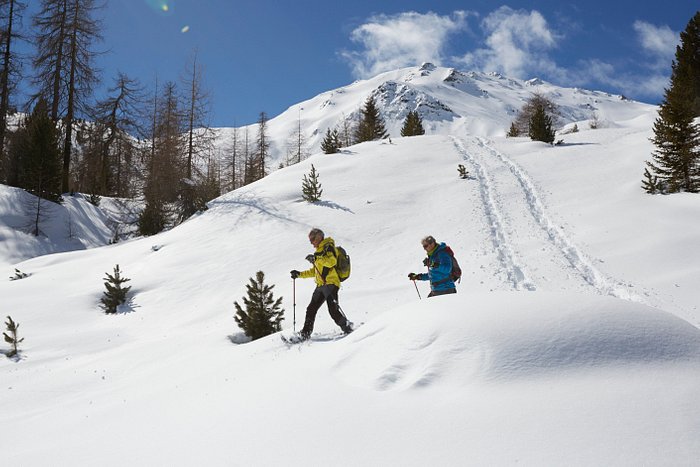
449 101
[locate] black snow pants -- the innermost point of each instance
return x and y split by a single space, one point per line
326 293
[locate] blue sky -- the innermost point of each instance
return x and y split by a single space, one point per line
262 55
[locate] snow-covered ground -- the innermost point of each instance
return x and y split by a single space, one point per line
75 224
573 339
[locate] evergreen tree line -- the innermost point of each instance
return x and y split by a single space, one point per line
66 139
368 126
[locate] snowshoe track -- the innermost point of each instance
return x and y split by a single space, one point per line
540 255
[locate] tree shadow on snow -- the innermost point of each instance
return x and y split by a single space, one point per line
239 338
565 144
129 306
332 205
18 357
253 206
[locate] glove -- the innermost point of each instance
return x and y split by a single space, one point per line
426 261
294 273
310 258
412 276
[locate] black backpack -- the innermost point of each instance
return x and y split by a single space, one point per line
456 271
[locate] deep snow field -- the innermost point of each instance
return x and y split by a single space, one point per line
573 339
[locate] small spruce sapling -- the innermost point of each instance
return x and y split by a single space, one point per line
19 275
650 183
513 131
11 337
594 122
115 294
262 315
331 142
311 188
463 173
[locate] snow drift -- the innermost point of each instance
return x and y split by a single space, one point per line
461 340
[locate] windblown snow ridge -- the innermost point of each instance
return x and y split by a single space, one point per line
466 339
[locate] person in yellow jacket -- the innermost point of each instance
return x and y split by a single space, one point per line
323 262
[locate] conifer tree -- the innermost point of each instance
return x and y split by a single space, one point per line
36 150
115 294
233 162
10 16
164 166
196 188
412 125
513 131
11 337
534 103
650 183
154 217
541 126
311 187
66 31
297 147
263 314
686 68
676 161
346 131
371 125
261 152
331 142
35 161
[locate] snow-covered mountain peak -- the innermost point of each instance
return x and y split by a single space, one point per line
449 100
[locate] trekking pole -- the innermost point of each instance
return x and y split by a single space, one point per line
294 306
416 285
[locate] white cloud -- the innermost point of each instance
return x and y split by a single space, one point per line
658 41
630 84
651 75
517 44
405 39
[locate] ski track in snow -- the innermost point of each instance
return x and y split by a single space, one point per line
516 273
508 193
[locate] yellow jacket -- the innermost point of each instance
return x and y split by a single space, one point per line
325 260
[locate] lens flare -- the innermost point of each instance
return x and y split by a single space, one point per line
160 5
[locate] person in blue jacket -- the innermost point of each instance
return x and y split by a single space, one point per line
439 263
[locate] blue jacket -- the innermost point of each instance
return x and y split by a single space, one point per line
439 268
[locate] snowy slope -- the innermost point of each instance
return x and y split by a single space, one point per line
573 339
75 224
451 102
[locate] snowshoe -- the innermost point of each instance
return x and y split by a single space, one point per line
296 338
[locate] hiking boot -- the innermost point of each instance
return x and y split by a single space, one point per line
347 327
